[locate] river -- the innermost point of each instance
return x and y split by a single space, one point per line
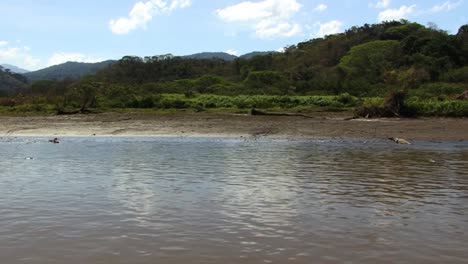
199 200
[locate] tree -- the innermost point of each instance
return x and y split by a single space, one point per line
81 95
371 60
462 37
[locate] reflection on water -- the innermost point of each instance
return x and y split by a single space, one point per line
150 200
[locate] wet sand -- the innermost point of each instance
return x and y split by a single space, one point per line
322 125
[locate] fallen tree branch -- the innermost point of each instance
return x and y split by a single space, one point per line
262 113
76 112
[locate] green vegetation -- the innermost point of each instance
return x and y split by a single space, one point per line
10 81
394 68
73 70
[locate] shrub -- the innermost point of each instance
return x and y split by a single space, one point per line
392 106
452 108
439 90
459 75
347 100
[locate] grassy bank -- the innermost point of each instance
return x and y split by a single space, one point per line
178 101
413 106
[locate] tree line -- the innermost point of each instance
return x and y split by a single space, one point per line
371 60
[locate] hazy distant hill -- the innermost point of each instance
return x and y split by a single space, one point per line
67 70
212 55
78 69
250 55
226 56
11 82
14 68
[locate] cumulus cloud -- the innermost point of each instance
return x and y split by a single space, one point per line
143 12
271 18
321 8
329 28
62 57
18 56
447 6
270 28
9 53
396 14
381 4
232 52
31 62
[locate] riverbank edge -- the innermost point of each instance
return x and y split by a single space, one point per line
229 125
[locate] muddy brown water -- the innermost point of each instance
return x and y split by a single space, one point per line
155 200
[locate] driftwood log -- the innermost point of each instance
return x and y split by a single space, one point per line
262 113
81 111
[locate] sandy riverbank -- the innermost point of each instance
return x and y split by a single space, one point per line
232 125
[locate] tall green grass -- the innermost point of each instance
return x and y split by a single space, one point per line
413 106
447 108
179 101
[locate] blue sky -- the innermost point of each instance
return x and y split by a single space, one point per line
39 33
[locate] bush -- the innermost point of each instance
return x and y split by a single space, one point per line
8 102
452 108
392 106
456 75
439 90
347 100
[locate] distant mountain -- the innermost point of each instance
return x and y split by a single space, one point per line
11 82
250 55
226 56
67 70
14 69
76 70
212 55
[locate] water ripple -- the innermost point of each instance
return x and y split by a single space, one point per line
147 200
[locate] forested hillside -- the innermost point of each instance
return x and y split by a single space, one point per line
11 82
212 55
14 69
424 63
363 61
73 70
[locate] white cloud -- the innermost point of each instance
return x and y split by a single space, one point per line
329 28
381 4
232 52
321 8
143 12
9 53
396 14
281 50
62 57
447 6
271 18
18 56
269 28
31 63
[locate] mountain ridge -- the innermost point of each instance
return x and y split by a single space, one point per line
14 68
11 82
76 70
68 69
211 55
